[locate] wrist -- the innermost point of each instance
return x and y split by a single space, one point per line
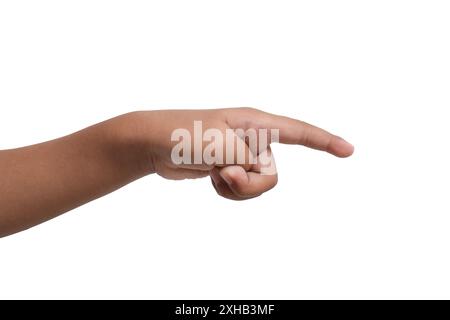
131 142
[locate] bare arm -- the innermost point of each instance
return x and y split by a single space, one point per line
42 181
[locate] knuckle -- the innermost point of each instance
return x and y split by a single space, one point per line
248 109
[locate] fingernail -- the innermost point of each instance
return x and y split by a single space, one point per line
345 142
343 147
226 178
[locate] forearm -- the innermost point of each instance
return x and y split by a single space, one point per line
42 181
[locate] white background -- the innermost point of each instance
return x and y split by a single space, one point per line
375 225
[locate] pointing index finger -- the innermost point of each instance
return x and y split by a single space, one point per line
292 131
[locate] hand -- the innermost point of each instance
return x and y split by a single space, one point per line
232 180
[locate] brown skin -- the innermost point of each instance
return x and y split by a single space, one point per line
42 181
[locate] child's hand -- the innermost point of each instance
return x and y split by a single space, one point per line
232 179
42 181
